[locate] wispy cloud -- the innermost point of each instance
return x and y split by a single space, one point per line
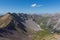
36 5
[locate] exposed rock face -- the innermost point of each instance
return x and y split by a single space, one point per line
17 27
32 25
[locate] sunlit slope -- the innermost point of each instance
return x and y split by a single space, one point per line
52 37
4 20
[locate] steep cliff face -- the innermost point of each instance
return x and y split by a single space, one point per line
17 27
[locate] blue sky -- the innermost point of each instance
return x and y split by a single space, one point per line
30 6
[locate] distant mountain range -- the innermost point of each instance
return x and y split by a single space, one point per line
53 20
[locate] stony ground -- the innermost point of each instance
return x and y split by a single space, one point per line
52 37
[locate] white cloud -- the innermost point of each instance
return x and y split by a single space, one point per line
36 5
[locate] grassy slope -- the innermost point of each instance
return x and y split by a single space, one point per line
41 34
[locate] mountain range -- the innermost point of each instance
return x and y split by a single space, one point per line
17 27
